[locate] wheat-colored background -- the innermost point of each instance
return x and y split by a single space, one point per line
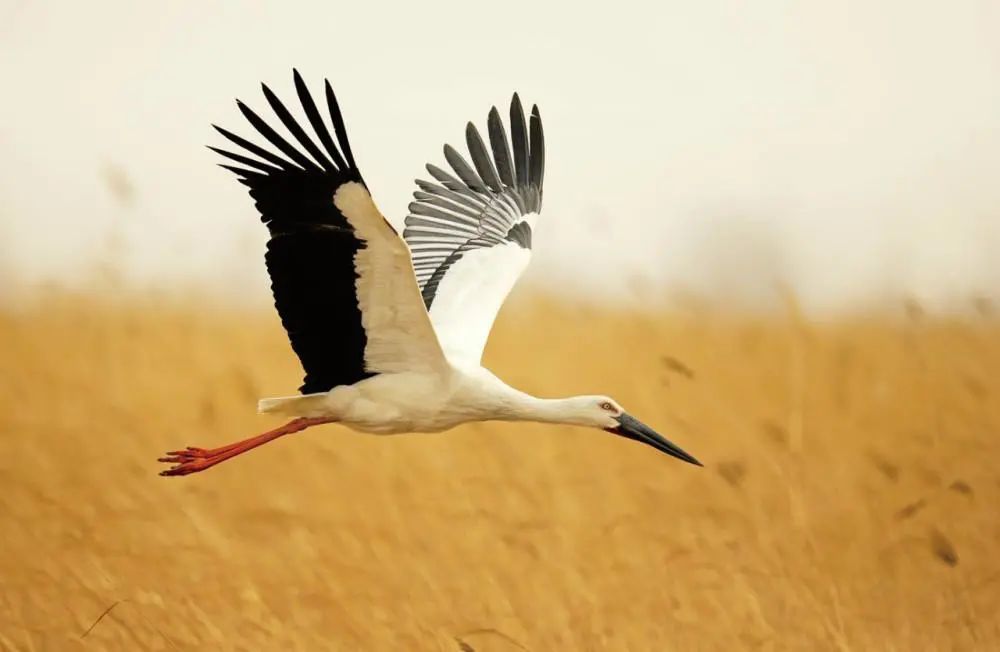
845 151
848 500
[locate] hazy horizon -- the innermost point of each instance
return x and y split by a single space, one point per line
850 151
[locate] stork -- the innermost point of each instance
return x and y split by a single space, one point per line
390 330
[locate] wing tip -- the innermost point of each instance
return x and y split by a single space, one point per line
242 175
299 82
248 113
331 97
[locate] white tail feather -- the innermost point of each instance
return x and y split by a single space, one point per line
310 405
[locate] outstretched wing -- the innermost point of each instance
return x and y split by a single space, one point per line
341 276
470 232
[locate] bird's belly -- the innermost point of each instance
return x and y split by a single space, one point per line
391 418
391 422
400 404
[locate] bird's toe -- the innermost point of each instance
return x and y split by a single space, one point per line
186 467
188 460
192 451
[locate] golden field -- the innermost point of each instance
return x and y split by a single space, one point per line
850 498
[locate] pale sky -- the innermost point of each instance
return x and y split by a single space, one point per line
848 148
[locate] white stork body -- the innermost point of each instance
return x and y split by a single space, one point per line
391 342
406 402
390 404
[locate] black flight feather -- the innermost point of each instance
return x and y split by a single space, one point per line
245 160
272 136
255 149
338 125
312 251
296 131
309 106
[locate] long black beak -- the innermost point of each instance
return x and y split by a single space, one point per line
632 428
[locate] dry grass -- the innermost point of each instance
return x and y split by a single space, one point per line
849 500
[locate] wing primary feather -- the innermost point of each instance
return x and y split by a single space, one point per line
501 149
275 139
477 203
338 125
450 182
429 211
537 155
446 224
293 128
519 136
246 174
461 194
462 169
441 202
481 159
312 112
264 167
458 238
441 191
256 149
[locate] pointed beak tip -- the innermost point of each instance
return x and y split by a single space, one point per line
632 428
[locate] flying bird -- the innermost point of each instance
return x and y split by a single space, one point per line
390 330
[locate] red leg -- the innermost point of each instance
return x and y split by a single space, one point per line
192 460
194 451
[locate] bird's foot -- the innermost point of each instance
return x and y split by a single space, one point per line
195 452
191 460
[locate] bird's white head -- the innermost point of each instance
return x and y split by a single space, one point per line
605 413
595 411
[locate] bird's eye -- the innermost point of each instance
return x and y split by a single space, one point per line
607 406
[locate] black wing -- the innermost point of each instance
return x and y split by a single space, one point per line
310 256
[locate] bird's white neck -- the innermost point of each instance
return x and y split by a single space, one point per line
514 405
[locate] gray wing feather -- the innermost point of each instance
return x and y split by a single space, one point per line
462 169
519 135
484 166
501 150
537 162
481 205
450 182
